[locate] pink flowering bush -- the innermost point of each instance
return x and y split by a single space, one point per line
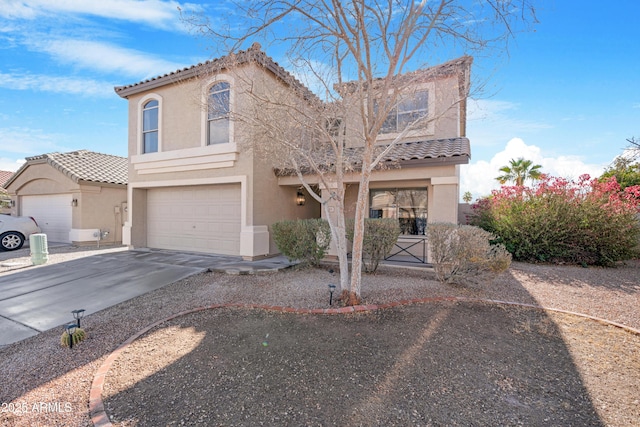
585 221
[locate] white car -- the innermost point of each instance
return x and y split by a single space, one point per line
14 230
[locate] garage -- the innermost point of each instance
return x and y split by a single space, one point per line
196 218
52 213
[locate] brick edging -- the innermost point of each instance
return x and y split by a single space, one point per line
97 411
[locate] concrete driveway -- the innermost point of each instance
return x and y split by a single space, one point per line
37 299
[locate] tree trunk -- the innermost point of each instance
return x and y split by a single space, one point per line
338 234
358 238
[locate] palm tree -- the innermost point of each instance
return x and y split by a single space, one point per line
519 171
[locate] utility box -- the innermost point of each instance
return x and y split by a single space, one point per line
39 249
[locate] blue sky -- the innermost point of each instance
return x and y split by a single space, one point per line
567 96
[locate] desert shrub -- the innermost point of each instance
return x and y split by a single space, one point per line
481 215
562 221
305 240
380 234
462 253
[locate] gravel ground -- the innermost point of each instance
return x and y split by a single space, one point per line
44 384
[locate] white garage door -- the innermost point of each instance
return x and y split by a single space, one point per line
198 218
52 213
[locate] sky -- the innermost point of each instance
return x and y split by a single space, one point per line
567 95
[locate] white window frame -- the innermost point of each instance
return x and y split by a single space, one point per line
204 134
429 88
140 130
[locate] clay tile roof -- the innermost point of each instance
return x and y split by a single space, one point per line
84 165
433 149
253 54
4 177
450 150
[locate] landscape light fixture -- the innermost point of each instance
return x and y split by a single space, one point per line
300 198
78 314
71 329
331 289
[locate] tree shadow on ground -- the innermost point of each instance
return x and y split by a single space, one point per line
427 364
577 276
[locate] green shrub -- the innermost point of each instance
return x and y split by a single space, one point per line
305 240
460 253
560 221
380 234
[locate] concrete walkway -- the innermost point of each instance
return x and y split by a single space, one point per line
38 299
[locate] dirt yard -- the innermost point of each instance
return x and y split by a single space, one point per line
431 363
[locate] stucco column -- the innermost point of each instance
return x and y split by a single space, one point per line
444 195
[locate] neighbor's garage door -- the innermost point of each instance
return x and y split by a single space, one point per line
52 213
198 218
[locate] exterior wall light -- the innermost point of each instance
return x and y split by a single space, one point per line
74 203
300 198
12 203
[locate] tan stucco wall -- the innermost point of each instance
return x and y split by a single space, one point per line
96 202
137 210
273 203
447 124
444 115
183 159
100 207
40 179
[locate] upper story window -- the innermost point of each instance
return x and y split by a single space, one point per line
150 115
218 113
410 108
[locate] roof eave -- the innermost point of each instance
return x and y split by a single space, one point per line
174 77
100 183
252 55
461 159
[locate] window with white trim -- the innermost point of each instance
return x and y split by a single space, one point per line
150 114
218 109
410 109
408 205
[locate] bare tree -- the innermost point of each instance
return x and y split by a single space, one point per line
360 55
634 147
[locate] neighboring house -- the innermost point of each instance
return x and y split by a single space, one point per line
192 187
76 197
5 200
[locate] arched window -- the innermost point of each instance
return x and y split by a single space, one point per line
218 114
150 126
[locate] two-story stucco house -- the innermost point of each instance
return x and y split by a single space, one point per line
192 187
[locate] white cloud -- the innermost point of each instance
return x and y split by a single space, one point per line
18 142
492 121
53 84
11 165
155 13
479 177
105 57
